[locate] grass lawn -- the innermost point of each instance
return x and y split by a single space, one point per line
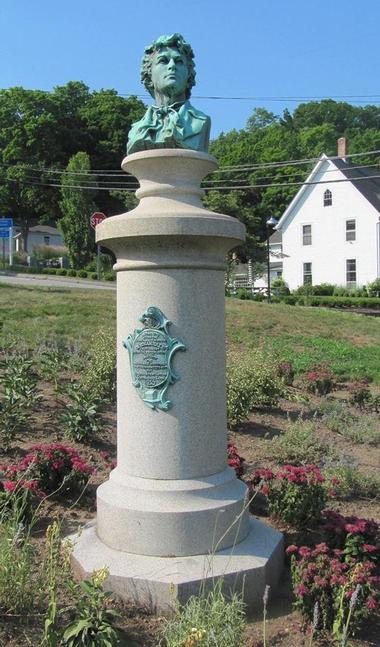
307 336
349 342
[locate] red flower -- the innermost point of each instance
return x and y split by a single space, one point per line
291 549
9 485
371 603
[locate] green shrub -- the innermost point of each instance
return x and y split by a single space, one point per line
258 296
100 375
61 271
374 288
296 495
252 381
71 272
319 381
82 274
49 270
93 625
280 288
19 376
285 371
290 300
359 393
353 483
21 582
207 620
243 294
304 290
80 417
110 276
324 289
93 276
298 444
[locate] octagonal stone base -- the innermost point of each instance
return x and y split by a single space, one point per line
157 582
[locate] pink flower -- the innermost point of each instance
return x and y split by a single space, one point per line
291 549
304 551
371 603
9 485
369 548
301 590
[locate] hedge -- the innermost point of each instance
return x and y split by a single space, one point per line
333 302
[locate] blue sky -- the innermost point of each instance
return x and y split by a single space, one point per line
246 48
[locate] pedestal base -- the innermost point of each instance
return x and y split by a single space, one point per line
157 582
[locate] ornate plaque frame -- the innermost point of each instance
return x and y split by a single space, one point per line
151 350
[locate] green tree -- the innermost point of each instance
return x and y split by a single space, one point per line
77 205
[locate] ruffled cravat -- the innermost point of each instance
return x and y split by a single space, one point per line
162 126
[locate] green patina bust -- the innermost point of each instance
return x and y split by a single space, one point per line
168 73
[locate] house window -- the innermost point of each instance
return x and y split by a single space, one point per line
307 275
306 234
46 240
350 229
327 198
351 271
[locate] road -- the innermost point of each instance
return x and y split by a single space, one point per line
47 281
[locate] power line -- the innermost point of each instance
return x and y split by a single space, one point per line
206 188
223 169
284 184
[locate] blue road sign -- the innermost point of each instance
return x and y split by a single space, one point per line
4 233
6 222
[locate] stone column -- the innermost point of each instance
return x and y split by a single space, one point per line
172 496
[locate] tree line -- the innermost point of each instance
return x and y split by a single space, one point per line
51 142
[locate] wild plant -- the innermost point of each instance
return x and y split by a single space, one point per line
19 380
13 417
58 575
252 381
322 574
319 381
100 375
80 418
298 444
295 495
93 626
352 481
20 580
51 468
358 429
207 620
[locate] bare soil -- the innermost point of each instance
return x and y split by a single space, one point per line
251 439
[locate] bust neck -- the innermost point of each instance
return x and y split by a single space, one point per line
165 100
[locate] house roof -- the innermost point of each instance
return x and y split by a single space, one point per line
369 188
45 229
276 237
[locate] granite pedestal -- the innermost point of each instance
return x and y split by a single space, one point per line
172 512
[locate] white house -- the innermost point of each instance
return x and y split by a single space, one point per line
331 229
40 235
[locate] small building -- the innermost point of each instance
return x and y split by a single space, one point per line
40 235
331 229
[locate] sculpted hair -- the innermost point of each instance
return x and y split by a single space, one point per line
177 41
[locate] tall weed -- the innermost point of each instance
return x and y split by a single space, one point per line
208 620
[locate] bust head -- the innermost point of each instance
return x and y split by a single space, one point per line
168 70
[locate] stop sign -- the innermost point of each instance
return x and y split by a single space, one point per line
97 218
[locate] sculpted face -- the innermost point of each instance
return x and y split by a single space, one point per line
170 73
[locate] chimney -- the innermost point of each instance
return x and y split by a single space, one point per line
342 148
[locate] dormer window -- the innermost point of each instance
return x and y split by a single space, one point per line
327 198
